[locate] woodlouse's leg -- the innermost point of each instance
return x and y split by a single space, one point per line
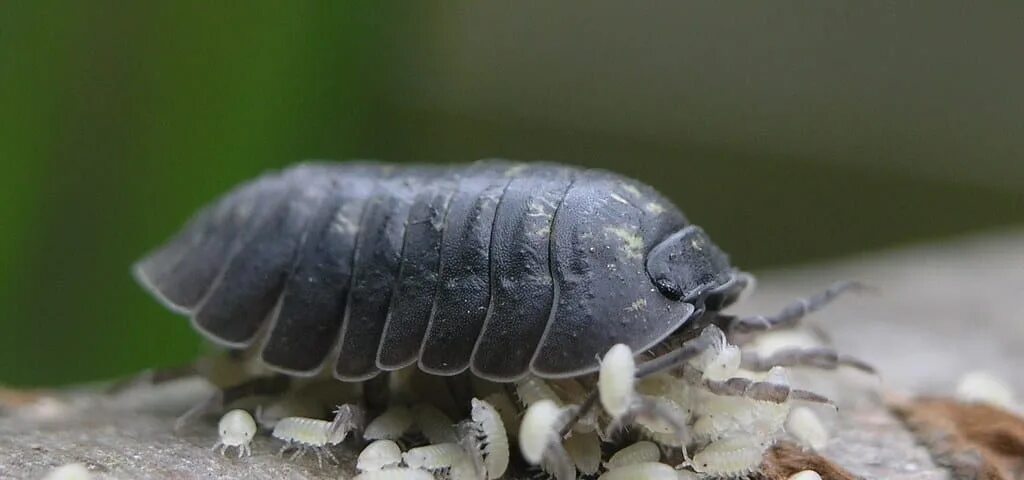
154 376
461 389
271 385
761 391
213 403
377 392
790 315
817 357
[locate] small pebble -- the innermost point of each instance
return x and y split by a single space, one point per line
985 387
71 471
805 475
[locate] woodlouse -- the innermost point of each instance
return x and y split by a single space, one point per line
500 268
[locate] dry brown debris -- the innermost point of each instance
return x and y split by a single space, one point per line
785 459
974 441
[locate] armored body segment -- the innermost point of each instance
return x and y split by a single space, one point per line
377 257
417 285
182 271
464 294
522 291
602 233
313 303
247 291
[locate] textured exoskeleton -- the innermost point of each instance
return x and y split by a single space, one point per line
504 269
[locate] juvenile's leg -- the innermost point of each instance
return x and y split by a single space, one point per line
377 392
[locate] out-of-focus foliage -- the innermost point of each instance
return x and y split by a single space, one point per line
119 119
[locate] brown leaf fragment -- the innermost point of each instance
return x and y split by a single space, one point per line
975 441
786 458
12 398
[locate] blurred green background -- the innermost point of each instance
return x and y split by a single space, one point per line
792 134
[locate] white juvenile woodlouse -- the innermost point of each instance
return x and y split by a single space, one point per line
434 457
304 434
434 424
486 437
236 429
639 452
615 381
533 389
730 456
641 471
585 451
401 473
378 455
507 410
390 425
805 425
617 392
540 441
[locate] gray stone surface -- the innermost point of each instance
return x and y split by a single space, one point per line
940 311
937 312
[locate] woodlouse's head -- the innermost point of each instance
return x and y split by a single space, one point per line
688 266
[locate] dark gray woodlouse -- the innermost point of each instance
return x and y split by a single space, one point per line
501 268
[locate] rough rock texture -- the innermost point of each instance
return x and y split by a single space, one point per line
938 312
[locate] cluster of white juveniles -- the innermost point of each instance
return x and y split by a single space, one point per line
707 404
708 412
479 450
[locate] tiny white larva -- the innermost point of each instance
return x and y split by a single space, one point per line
304 434
236 429
641 471
639 452
390 425
615 380
490 438
805 425
379 455
532 389
401 473
540 441
434 424
434 457
538 430
730 457
585 451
